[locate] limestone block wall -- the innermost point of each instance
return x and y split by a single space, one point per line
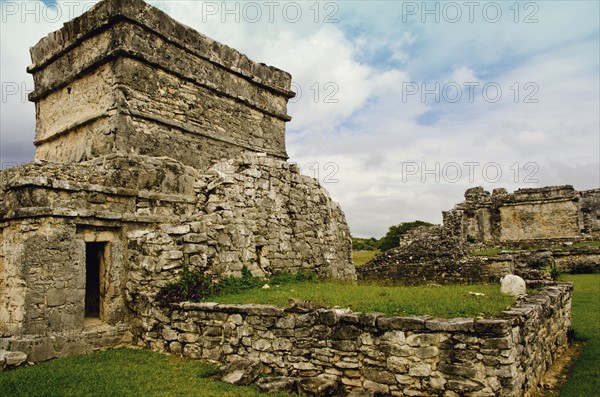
45 250
548 213
526 221
136 81
505 356
590 211
254 211
263 212
154 217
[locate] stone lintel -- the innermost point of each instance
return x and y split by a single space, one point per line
108 12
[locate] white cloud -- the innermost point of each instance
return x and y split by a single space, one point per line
368 138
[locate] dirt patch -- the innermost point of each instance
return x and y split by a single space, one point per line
556 376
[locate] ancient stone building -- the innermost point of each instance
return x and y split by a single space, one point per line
527 215
157 149
538 228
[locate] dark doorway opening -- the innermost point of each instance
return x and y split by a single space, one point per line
94 268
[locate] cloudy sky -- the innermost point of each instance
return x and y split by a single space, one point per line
401 105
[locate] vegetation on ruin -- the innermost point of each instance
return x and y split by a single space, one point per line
390 240
487 252
581 244
193 286
121 373
445 301
584 380
498 250
439 301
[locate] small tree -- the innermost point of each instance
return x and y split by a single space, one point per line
392 237
365 244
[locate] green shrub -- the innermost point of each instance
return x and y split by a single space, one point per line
554 272
232 284
191 286
392 237
365 244
195 286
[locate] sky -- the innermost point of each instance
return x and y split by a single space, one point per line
401 106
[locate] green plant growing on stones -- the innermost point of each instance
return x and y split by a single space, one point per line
196 286
191 286
553 270
392 237
233 284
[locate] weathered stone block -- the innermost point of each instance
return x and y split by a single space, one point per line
453 324
401 323
378 375
241 371
56 297
322 385
192 350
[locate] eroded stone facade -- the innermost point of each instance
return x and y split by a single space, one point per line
527 215
157 149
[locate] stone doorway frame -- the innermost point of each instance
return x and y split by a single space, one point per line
111 274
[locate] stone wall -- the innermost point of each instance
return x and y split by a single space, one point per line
136 81
253 211
548 213
504 356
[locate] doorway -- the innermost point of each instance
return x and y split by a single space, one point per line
95 254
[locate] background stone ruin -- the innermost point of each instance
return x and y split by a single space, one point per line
537 227
157 149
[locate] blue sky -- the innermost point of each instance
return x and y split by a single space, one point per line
402 107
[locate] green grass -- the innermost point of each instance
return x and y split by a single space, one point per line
446 301
581 244
584 381
487 252
359 258
120 373
497 250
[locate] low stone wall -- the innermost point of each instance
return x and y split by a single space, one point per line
35 348
415 356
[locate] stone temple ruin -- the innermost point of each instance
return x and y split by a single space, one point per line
536 229
157 149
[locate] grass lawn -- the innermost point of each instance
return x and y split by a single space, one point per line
584 381
446 301
487 252
361 257
120 373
